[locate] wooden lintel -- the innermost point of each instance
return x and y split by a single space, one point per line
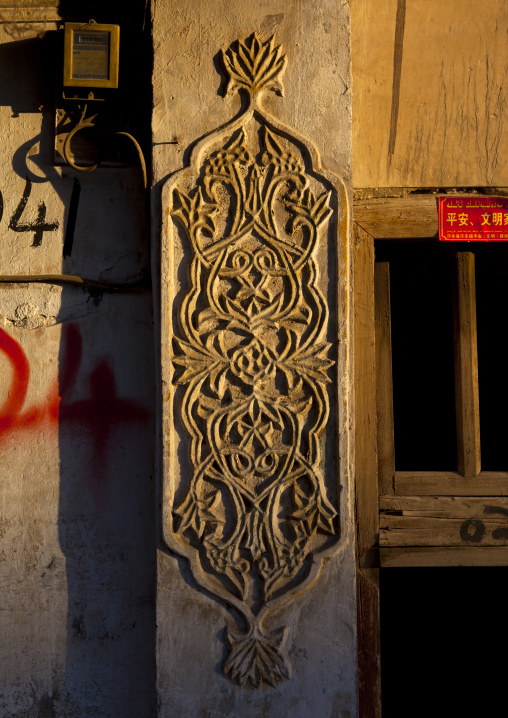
411 217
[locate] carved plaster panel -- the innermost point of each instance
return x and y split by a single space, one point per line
254 351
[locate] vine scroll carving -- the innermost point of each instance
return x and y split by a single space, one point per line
251 436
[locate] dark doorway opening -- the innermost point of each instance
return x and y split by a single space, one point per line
443 638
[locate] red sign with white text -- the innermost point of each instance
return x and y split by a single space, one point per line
473 219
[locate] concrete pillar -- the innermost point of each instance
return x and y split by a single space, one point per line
256 605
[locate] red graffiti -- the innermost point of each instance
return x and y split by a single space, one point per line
95 416
17 394
99 414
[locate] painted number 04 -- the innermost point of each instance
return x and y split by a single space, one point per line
474 530
37 226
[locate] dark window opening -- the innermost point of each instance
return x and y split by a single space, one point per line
422 354
492 321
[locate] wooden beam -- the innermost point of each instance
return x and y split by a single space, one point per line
367 512
365 394
443 521
369 645
476 507
467 401
488 483
431 531
410 217
442 129
446 556
384 381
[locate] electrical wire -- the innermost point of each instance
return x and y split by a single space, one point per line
80 281
139 151
89 122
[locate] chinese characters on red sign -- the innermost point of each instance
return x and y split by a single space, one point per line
466 219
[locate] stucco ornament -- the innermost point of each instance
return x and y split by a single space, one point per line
250 501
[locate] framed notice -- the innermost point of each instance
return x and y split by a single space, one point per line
473 219
91 53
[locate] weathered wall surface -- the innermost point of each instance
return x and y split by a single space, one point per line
189 87
430 98
77 401
76 418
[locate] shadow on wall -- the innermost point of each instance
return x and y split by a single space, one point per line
106 436
106 528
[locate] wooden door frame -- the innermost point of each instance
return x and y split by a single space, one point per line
378 486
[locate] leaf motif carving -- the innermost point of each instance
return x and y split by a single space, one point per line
282 160
314 209
255 65
258 657
193 212
313 361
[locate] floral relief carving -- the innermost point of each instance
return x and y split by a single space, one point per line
253 366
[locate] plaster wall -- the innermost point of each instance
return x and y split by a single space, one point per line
189 101
77 399
76 417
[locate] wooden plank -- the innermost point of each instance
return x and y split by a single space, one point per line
490 530
427 87
410 217
367 513
369 649
446 556
499 476
413 483
477 507
384 381
365 394
467 400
